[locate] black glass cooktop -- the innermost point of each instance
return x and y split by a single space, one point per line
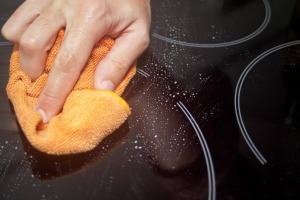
215 113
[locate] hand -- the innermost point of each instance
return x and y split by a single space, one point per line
34 27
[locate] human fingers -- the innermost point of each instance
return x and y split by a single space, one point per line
66 69
127 48
37 40
25 14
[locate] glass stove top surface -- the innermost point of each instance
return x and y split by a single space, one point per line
215 113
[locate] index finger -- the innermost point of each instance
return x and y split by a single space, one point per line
69 62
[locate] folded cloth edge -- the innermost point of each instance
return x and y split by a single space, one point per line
106 112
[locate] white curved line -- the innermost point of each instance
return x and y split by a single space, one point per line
142 72
224 44
237 95
208 158
5 44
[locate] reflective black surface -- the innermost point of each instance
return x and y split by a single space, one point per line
215 113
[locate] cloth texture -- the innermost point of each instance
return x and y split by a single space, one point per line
88 115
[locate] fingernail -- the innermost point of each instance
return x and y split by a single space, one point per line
105 85
43 114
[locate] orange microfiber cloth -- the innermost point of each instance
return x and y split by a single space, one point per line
88 115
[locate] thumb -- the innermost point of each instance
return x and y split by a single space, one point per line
112 69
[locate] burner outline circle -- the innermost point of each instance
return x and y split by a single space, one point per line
207 155
2 44
223 44
237 95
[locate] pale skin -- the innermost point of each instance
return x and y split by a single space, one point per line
35 24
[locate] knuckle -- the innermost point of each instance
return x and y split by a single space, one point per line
120 66
49 99
29 43
11 28
49 95
5 32
43 21
145 41
64 65
91 12
9 32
